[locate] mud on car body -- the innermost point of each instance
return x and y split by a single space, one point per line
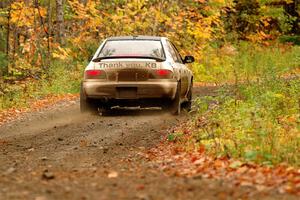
137 71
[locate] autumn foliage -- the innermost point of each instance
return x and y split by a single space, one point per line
251 45
36 32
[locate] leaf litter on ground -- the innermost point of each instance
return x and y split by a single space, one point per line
171 157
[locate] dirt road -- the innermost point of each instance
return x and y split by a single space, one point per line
61 154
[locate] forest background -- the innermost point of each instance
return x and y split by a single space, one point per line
252 45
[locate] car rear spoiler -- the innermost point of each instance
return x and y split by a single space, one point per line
99 59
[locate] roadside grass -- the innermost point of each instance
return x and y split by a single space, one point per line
257 118
260 123
62 78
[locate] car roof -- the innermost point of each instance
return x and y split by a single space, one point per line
138 37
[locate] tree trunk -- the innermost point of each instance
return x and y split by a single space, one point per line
6 69
291 10
49 11
60 21
8 31
5 3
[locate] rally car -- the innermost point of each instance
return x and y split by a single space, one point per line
131 71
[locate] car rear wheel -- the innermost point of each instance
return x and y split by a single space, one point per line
176 103
87 105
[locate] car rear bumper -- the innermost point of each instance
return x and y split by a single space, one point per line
130 90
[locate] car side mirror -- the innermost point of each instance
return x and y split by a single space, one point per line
188 59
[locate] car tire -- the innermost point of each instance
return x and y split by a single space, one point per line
87 105
176 102
188 105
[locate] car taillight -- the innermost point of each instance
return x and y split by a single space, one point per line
94 74
164 73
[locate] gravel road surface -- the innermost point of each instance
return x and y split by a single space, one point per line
61 154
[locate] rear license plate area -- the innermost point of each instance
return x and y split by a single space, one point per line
127 92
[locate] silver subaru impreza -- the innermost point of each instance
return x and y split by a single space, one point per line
142 71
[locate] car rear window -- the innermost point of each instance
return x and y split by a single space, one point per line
132 48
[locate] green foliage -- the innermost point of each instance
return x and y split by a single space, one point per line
257 20
175 137
246 62
260 123
246 16
294 39
3 64
2 41
64 78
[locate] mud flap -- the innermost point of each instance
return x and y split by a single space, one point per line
176 103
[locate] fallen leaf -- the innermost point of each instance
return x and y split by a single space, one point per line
113 174
235 164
